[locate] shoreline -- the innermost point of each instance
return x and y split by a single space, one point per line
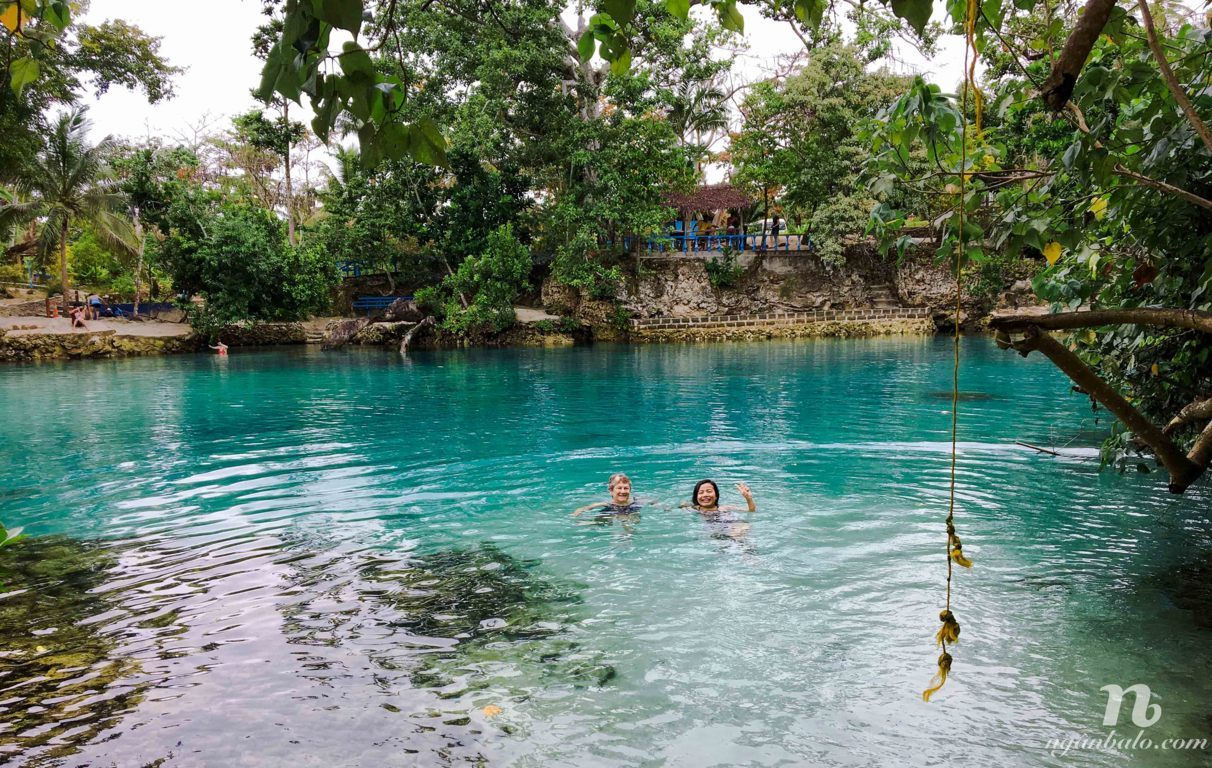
30 339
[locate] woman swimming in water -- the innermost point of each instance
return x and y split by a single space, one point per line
706 497
620 502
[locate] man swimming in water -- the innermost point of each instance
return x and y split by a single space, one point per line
620 502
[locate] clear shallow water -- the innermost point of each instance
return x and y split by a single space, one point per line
344 558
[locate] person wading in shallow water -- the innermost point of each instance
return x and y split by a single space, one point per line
621 502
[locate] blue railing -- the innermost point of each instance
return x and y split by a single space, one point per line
372 304
350 268
680 243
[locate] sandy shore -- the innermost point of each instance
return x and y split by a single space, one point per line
29 325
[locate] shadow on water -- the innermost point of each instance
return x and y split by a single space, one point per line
964 397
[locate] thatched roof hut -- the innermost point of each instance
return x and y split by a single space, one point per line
710 197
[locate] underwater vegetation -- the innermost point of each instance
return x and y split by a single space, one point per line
61 682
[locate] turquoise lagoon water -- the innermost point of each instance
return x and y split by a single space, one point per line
350 558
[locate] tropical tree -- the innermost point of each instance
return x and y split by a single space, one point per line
67 182
47 60
1098 161
802 135
698 111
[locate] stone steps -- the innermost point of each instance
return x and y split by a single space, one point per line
883 296
315 337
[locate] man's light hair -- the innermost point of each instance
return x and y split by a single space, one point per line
616 477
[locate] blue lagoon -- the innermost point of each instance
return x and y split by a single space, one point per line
350 558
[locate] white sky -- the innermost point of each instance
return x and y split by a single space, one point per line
211 41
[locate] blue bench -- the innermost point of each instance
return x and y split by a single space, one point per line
145 308
372 304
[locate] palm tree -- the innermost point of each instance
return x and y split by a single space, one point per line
66 182
697 109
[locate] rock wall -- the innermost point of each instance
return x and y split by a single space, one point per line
831 328
264 334
103 344
679 286
26 347
790 282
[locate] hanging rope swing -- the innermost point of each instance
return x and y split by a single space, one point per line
948 634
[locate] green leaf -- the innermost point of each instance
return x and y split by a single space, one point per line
326 115
359 106
10 536
58 15
290 77
396 140
356 63
1071 155
378 106
622 11
613 46
370 145
22 73
428 145
586 45
343 14
730 16
916 12
810 12
678 8
621 63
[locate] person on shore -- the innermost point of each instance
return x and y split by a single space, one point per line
220 349
775 226
77 315
94 305
621 501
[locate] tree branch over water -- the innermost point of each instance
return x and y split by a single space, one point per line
1158 318
1184 469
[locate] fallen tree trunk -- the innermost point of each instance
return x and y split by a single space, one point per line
428 322
1184 469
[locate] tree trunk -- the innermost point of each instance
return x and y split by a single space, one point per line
1193 319
428 322
1059 85
63 276
139 264
290 196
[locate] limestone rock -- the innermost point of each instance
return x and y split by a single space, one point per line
340 332
400 310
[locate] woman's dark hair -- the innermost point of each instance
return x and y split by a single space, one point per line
694 495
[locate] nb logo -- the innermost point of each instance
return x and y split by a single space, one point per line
1144 714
